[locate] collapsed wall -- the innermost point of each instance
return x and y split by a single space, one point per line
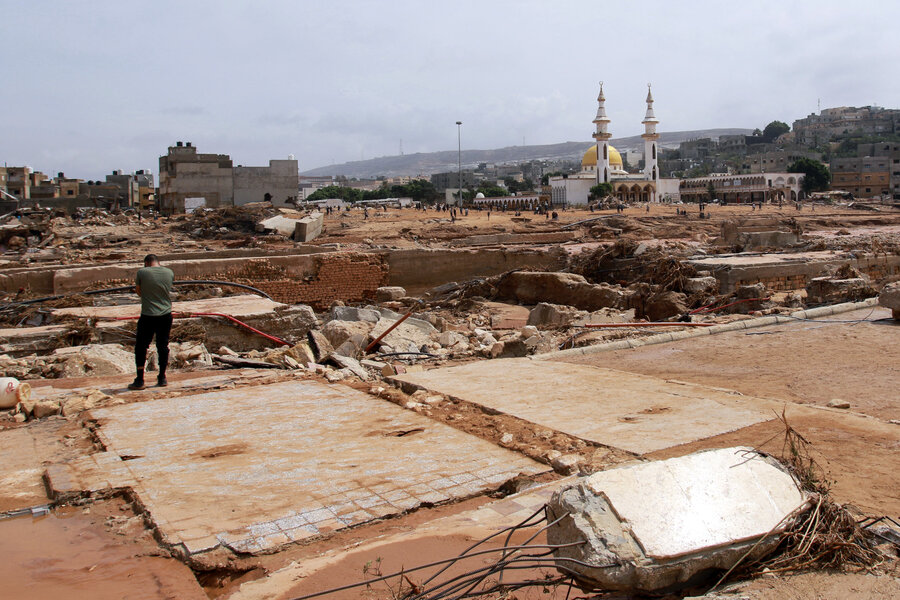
314 279
785 272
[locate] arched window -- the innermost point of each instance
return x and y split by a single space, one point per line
654 151
604 152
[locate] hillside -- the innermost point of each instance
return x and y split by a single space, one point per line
426 163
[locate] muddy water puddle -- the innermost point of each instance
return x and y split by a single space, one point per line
73 555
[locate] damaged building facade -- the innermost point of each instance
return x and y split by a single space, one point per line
188 179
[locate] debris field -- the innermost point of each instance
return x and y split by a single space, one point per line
400 405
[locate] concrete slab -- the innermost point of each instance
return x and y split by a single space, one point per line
632 412
244 305
255 468
711 508
712 499
21 485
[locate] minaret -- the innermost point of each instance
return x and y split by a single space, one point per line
602 136
651 169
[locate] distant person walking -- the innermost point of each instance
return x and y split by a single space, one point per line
153 284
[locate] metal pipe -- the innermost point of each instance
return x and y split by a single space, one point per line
391 328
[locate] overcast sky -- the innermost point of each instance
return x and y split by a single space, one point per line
90 86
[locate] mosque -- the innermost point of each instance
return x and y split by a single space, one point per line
602 163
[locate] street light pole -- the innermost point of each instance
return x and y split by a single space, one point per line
459 156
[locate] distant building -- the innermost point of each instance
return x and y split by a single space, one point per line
776 160
442 181
733 144
18 182
744 189
864 177
212 180
697 149
136 188
310 184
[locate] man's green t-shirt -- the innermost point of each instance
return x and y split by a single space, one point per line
156 283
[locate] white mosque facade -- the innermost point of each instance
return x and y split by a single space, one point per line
602 163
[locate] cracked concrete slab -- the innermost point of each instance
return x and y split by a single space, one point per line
636 413
256 468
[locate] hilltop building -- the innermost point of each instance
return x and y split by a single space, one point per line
602 163
831 123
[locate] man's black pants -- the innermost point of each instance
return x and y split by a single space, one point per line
147 328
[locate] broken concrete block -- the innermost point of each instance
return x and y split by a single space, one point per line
373 364
449 339
665 305
388 370
823 290
98 360
657 525
695 285
186 353
338 332
353 346
83 402
513 349
308 228
566 463
278 224
405 336
333 376
388 293
351 313
319 344
45 408
532 342
551 315
350 364
838 403
531 287
433 400
496 349
890 298
528 331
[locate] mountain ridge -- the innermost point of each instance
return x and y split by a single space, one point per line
427 163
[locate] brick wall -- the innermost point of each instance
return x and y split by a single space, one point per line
345 277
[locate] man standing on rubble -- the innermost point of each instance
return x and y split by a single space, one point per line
153 284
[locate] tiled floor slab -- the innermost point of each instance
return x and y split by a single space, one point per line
632 412
254 468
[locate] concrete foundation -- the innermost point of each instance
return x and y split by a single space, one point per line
635 413
211 470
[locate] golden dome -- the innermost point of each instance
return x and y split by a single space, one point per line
590 158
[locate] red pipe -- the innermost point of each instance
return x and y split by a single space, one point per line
649 324
271 338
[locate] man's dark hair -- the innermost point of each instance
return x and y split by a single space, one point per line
150 259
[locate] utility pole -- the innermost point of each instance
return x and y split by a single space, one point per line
459 156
